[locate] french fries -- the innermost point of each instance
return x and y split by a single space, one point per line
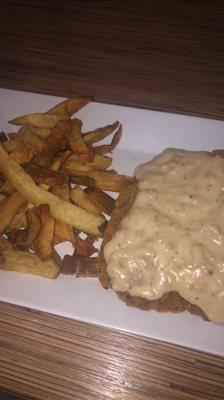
44 240
99 134
33 226
39 120
108 148
44 168
8 209
28 263
73 164
70 106
60 209
27 137
108 180
47 176
84 247
104 202
77 144
83 200
63 233
58 133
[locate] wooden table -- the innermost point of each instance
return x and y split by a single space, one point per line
158 55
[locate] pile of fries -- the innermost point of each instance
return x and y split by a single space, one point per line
53 180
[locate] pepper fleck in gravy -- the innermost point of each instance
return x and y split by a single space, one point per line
172 239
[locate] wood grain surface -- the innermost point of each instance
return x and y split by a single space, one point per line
48 357
163 55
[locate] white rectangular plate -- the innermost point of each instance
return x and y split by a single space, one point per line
146 133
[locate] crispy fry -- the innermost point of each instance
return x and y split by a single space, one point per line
70 106
85 247
44 241
59 161
33 226
23 154
54 140
103 201
83 200
38 120
7 188
82 180
77 143
5 244
108 148
9 208
19 221
86 267
42 161
68 266
100 133
29 263
63 233
18 238
27 137
12 144
63 193
2 196
108 180
2 179
99 162
41 132
61 210
47 176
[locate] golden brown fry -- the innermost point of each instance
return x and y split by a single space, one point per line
41 132
59 161
39 120
7 188
33 226
29 263
108 180
86 267
19 221
70 106
61 210
99 162
63 193
2 196
8 209
5 244
82 180
219 152
54 140
83 200
100 133
23 155
18 238
104 201
77 143
63 233
44 241
85 247
12 144
42 161
108 148
47 176
27 137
